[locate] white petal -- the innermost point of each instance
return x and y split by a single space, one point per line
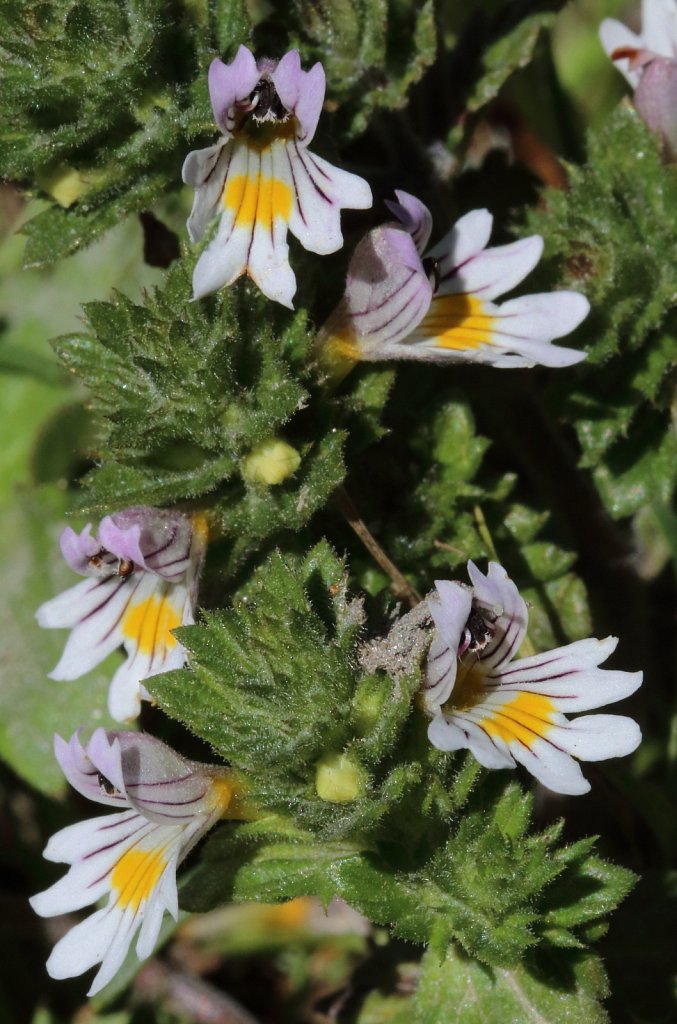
320 192
554 768
205 170
150 928
597 737
494 271
540 317
225 258
67 609
659 27
614 35
569 676
461 730
118 947
70 844
468 237
97 632
84 945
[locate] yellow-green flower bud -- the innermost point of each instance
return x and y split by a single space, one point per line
270 463
339 779
64 184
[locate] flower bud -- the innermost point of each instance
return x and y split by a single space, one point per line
339 779
270 463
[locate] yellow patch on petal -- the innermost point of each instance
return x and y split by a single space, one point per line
257 199
136 874
149 623
526 718
458 322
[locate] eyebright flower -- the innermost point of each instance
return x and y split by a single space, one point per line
262 178
649 63
505 709
142 570
167 804
400 304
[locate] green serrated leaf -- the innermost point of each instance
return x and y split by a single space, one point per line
558 990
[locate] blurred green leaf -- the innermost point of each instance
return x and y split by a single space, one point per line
33 707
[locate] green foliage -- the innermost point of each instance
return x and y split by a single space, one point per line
186 392
100 100
372 51
504 56
270 687
556 989
612 235
33 707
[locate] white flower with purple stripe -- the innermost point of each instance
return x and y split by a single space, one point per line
648 61
261 178
166 803
507 709
142 570
439 307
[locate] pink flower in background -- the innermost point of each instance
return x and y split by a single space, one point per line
648 61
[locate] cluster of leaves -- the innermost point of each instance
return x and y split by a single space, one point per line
611 235
354 801
99 102
186 392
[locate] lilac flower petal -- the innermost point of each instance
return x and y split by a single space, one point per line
205 170
160 784
78 548
123 542
154 539
656 101
103 750
387 294
230 84
81 773
301 93
659 27
414 216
